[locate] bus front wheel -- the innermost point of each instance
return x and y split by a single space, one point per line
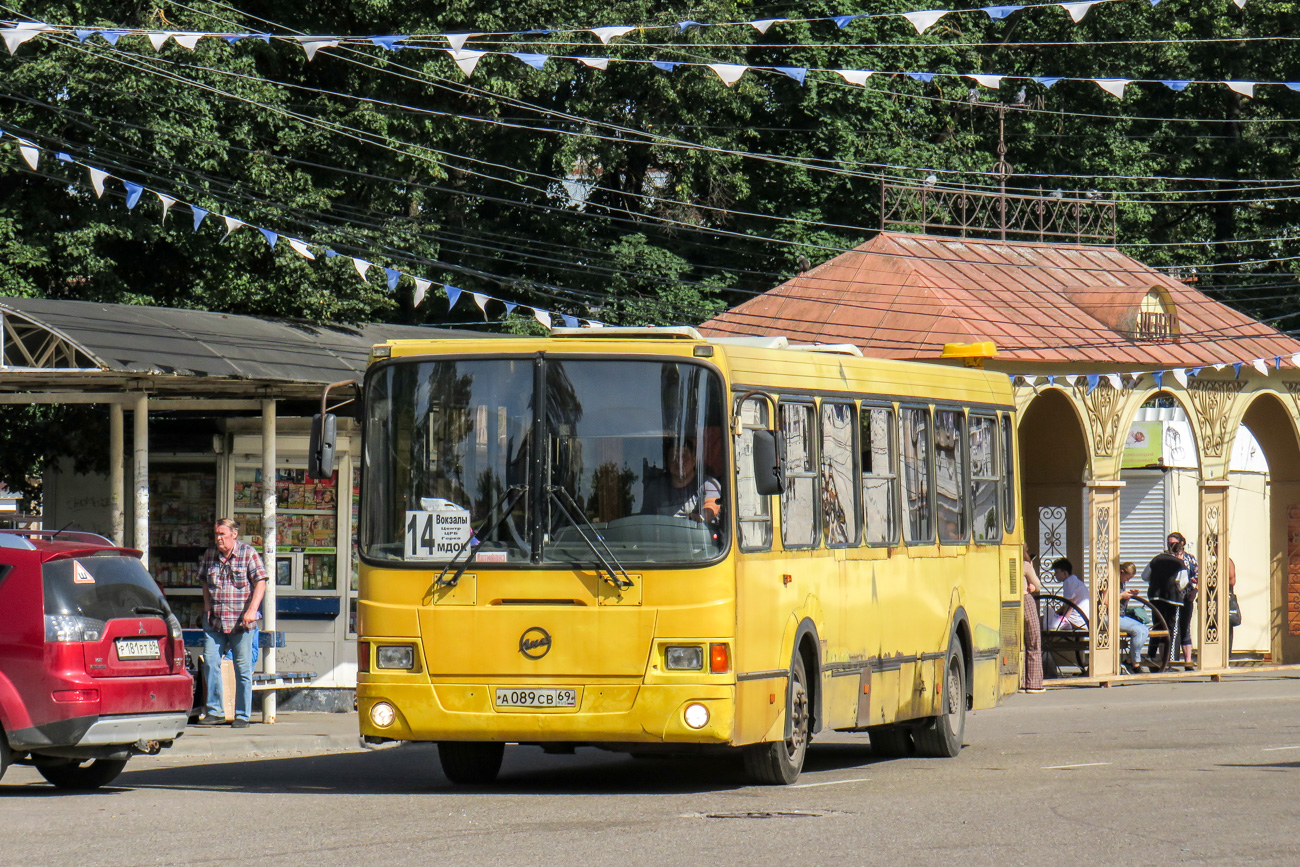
780 763
470 764
940 736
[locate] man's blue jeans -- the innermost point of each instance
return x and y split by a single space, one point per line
240 644
1138 634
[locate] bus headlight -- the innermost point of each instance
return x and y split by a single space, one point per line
684 658
399 656
382 714
696 716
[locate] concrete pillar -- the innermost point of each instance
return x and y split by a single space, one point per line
1103 530
117 472
140 413
268 550
1212 585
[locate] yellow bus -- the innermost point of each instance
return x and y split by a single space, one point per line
642 539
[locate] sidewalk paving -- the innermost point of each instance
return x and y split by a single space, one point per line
292 732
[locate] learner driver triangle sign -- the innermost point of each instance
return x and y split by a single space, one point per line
81 575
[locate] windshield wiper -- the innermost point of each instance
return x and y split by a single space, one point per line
579 521
507 498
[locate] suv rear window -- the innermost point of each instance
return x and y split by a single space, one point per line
101 587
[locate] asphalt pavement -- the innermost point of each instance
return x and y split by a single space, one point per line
290 733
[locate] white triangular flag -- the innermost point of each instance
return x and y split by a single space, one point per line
1180 374
156 39
729 72
187 40
993 81
762 24
231 225
466 60
300 248
543 317
604 34
31 153
481 300
421 289
22 31
854 76
96 180
1029 378
922 21
362 267
457 40
595 62
1113 86
1077 10
167 202
1261 365
1245 88
1241 4
1115 381
1295 359
1219 366
1136 377
312 44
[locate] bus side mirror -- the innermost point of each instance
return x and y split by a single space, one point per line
320 452
769 475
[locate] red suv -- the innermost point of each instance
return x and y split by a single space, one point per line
92 663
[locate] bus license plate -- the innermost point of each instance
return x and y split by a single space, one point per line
507 697
136 649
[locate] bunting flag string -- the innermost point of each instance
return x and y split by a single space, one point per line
729 73
133 192
1133 378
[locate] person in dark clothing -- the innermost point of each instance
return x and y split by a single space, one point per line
1167 580
683 492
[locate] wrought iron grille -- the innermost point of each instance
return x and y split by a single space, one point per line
940 210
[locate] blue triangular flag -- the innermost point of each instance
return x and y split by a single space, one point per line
682 25
1051 380
133 192
1236 369
1176 84
453 295
1093 379
1155 2
922 76
1193 371
997 13
64 158
842 21
1159 376
1045 80
798 73
536 61
1277 362
389 42
110 36
199 214
271 237
1294 85
569 321
510 307
330 254
83 35
665 65
393 276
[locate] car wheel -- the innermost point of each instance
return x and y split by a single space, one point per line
72 774
780 763
5 758
470 764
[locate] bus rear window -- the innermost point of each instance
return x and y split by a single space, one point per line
101 587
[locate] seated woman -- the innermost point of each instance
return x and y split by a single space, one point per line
1073 589
682 492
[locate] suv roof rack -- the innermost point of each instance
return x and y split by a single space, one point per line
53 536
770 341
659 332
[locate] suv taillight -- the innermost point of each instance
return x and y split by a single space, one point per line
72 627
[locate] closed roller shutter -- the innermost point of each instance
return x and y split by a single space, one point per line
1142 522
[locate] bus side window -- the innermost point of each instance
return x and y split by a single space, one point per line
1008 474
799 502
950 474
839 494
753 511
985 495
918 488
879 476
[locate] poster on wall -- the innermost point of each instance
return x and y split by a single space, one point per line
1144 445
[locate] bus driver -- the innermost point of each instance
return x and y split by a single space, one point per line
682 492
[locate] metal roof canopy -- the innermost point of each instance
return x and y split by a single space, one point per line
82 346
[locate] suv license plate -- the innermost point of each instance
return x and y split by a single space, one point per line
506 697
137 649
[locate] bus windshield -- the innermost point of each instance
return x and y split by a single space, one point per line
631 455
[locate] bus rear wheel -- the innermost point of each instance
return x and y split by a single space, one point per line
470 764
940 736
780 763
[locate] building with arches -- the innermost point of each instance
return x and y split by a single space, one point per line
1094 341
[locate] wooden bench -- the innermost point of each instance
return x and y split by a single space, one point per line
1070 647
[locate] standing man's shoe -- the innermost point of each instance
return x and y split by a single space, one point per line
209 720
239 724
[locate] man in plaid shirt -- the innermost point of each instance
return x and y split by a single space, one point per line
234 580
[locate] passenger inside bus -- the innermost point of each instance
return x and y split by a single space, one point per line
683 492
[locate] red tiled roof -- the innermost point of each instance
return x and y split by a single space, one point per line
904 296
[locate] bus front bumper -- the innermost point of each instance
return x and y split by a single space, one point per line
604 713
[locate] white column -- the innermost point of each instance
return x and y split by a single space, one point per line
268 549
141 442
117 472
